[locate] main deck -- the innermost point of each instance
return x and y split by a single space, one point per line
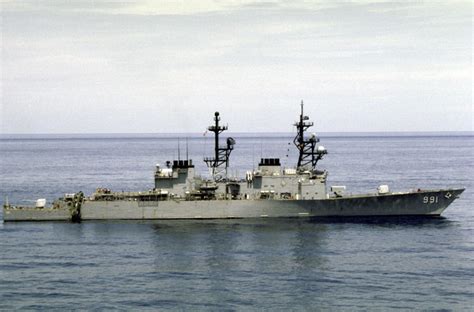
419 203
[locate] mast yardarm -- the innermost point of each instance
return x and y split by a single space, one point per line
309 152
221 154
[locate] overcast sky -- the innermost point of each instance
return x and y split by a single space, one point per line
166 66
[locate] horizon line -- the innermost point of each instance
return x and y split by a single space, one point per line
324 133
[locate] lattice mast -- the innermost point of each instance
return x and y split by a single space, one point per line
220 162
309 152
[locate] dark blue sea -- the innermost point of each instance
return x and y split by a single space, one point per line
288 264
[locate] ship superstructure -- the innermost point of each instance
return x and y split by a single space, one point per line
268 181
268 191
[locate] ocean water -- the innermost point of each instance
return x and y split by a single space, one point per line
287 264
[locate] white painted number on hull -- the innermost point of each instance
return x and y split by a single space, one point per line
430 200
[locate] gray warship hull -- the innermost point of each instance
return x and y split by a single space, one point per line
270 191
419 203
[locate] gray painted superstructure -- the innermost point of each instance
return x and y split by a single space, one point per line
268 191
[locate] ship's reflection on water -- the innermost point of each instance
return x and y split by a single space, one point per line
275 261
240 260
226 264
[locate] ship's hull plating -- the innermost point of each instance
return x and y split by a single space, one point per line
425 203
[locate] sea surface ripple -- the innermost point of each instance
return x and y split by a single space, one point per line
281 264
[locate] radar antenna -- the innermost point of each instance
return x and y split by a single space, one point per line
220 162
309 152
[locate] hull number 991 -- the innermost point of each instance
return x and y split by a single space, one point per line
430 199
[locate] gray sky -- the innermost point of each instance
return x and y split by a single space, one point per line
166 66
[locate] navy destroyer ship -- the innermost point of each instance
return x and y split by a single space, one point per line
270 191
